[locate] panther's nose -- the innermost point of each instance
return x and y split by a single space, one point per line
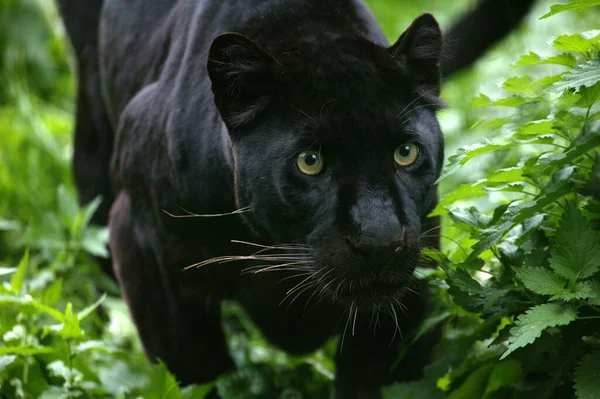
378 248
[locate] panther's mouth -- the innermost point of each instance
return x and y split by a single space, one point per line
374 292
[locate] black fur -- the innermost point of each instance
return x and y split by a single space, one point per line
208 104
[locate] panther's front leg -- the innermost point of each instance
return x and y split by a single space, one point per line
184 334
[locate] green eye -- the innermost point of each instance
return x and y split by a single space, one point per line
406 154
310 162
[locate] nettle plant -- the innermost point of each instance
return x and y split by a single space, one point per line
527 322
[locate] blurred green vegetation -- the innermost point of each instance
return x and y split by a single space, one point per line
49 350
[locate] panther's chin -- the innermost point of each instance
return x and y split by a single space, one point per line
369 293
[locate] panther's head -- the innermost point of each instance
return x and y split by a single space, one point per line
337 150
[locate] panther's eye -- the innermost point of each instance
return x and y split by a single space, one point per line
406 154
310 162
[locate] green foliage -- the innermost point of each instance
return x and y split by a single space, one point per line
524 268
517 293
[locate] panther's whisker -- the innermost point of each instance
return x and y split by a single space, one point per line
346 327
234 258
263 268
283 246
430 230
306 283
401 113
305 114
316 291
311 285
397 329
299 285
354 322
209 215
295 275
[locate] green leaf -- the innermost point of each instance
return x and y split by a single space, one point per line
576 248
52 293
572 5
67 204
464 154
196 391
514 101
520 85
587 75
475 384
462 280
6 360
529 326
17 282
557 187
532 58
70 328
578 291
587 377
505 374
537 128
576 43
86 312
462 192
541 281
595 299
589 95
25 350
424 389
162 384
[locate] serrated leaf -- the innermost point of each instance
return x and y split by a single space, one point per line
587 75
529 326
463 281
541 281
462 192
572 5
70 327
513 101
580 290
537 128
532 58
589 96
595 299
587 377
464 154
558 186
519 85
576 248
575 42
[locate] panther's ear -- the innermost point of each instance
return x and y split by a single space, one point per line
242 76
420 48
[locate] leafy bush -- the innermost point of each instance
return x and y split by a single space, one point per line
523 281
518 291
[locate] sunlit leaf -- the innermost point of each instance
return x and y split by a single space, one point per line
529 326
572 5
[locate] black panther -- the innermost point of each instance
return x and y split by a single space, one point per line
277 152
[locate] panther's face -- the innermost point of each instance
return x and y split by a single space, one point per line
337 150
